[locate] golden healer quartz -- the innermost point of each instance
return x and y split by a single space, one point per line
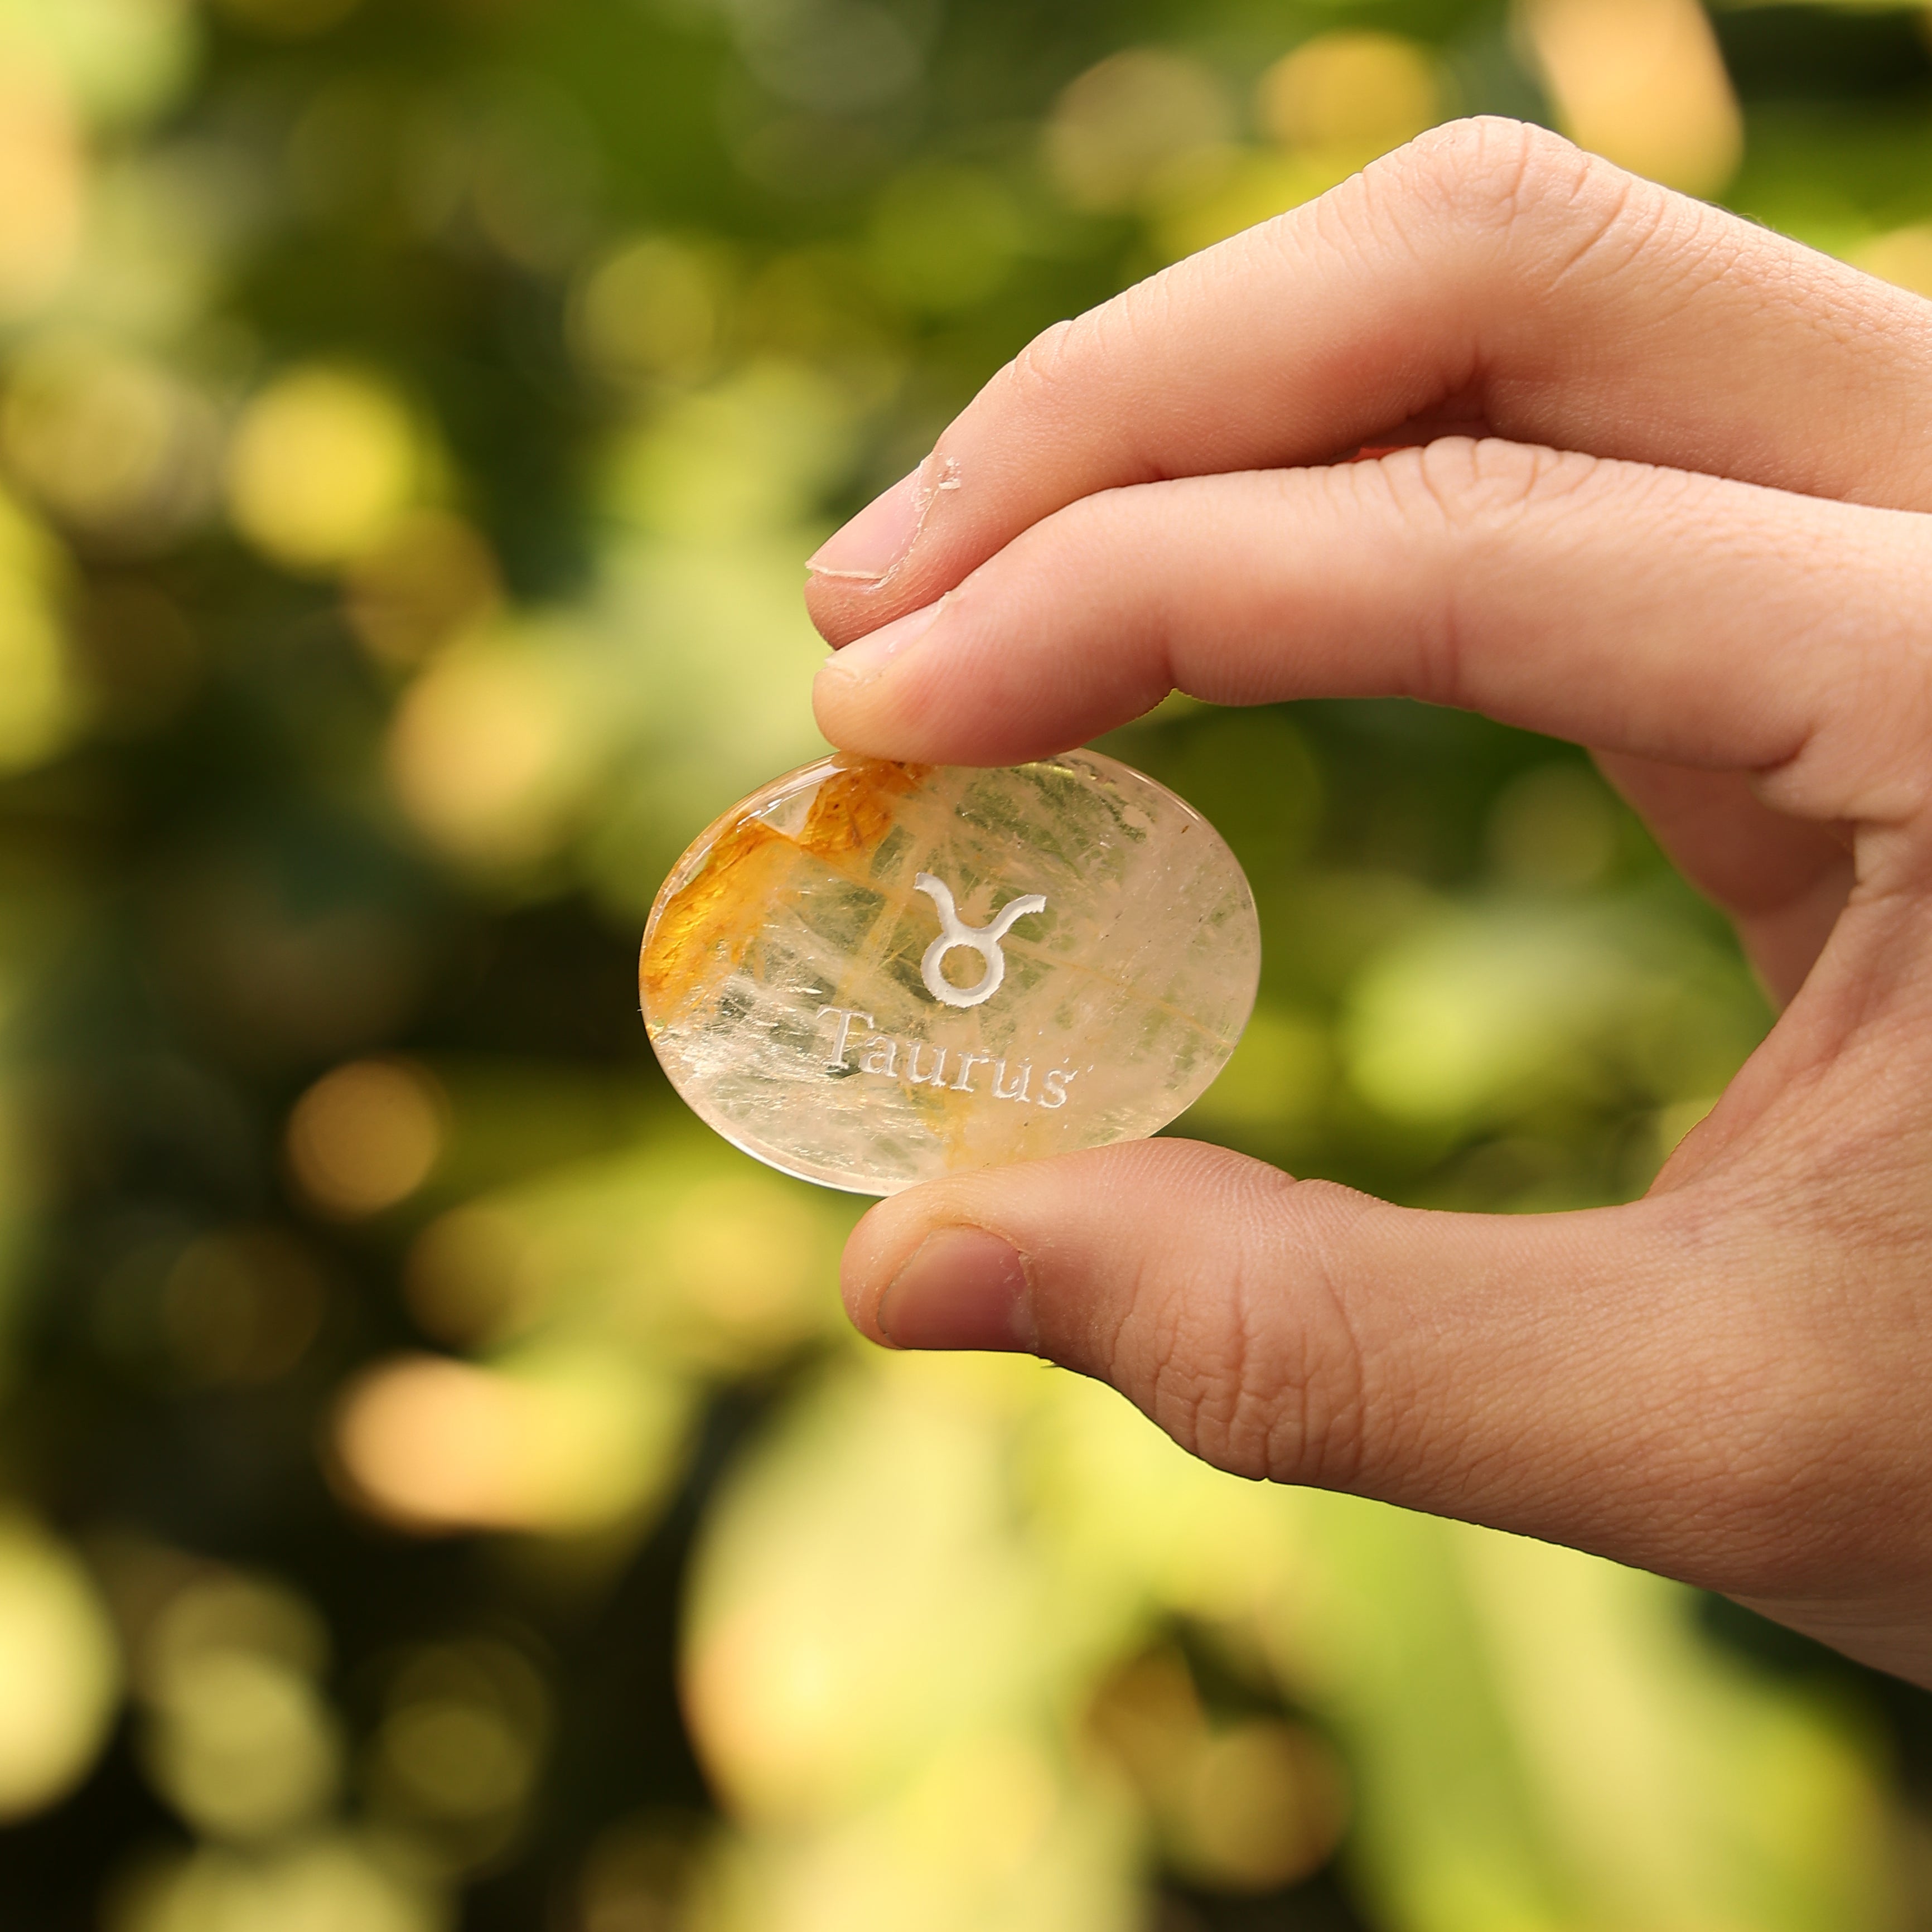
871 974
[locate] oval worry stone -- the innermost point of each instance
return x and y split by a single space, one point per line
871 974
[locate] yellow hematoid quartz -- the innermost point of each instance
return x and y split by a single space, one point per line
870 974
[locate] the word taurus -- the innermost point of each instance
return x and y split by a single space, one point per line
983 939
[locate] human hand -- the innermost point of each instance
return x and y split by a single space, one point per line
1660 483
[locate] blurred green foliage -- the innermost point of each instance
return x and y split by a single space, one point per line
439 1488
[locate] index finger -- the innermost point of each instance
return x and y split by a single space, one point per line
1489 272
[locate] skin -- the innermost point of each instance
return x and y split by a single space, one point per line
1656 481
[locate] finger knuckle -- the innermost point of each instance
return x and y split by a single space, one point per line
1056 369
1059 378
1468 488
1468 503
1544 204
1485 172
1039 372
1258 1372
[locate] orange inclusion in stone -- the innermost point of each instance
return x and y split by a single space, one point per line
706 927
703 933
853 811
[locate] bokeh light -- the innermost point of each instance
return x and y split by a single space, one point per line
488 753
557 1441
1361 93
42 188
366 1136
241 1747
60 1669
109 439
1555 826
1242 1804
651 309
1114 129
242 1306
120 61
461 1746
1643 83
470 1277
332 1883
238 1738
322 465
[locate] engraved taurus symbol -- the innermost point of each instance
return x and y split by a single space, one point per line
984 939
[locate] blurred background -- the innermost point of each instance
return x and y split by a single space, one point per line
437 1489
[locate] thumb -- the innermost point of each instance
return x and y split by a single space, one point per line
1581 1377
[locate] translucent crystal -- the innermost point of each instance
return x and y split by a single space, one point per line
871 974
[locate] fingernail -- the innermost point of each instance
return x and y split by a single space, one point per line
874 543
964 1288
863 658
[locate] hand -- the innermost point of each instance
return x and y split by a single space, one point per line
1660 482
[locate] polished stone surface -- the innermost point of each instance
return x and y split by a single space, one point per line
872 974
